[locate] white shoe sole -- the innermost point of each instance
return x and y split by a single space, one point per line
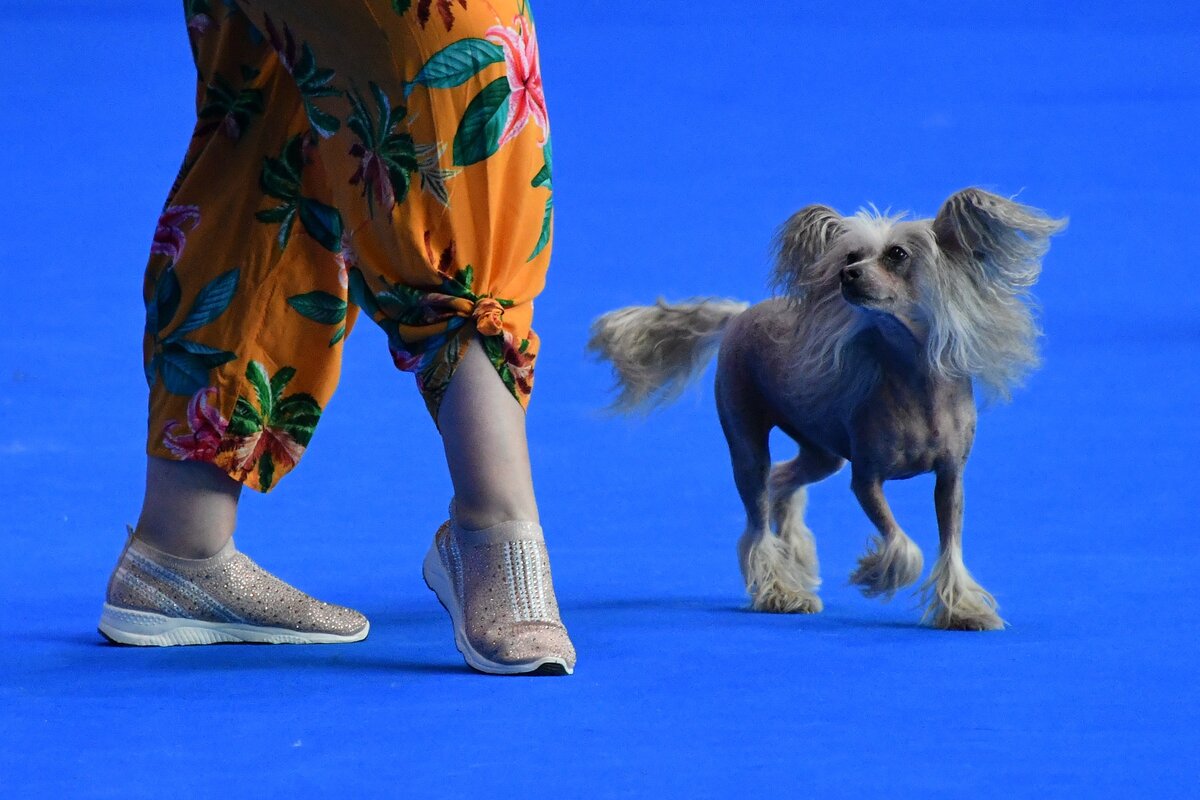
147 629
437 579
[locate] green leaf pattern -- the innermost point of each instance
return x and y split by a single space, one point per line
403 306
281 179
273 430
544 178
184 364
312 81
478 135
387 155
455 64
230 108
320 307
269 429
323 308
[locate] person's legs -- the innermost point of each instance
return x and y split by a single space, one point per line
246 313
449 268
180 580
488 564
483 432
190 508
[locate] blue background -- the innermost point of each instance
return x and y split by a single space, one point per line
684 133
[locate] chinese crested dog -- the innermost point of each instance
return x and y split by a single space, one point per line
869 356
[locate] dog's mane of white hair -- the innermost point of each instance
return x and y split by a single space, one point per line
974 295
977 295
825 322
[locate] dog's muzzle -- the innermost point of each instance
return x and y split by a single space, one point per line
855 289
852 288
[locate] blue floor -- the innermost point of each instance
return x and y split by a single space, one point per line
681 141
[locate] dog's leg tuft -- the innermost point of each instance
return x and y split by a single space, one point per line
954 601
781 570
778 578
893 561
779 573
890 563
789 497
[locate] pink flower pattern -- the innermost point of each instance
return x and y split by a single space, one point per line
519 365
268 438
278 443
201 23
527 99
346 258
200 439
170 235
406 361
372 173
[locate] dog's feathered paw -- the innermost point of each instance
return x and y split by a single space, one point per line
986 620
955 602
775 599
889 565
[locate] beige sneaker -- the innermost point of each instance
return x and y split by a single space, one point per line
496 585
158 599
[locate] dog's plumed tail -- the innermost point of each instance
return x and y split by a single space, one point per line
656 351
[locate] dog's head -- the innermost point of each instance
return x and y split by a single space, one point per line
884 261
958 282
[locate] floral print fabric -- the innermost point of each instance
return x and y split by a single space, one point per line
385 157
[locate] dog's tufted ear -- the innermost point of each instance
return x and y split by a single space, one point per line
1006 239
800 243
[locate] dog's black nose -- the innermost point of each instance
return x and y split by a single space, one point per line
851 274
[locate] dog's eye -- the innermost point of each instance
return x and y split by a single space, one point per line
896 254
853 258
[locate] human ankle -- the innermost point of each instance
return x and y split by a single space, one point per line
472 518
182 543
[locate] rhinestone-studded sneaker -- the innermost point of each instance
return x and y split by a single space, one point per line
158 599
496 585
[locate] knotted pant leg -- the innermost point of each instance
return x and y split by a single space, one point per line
438 155
394 154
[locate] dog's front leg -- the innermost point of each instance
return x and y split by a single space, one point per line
892 560
777 578
954 601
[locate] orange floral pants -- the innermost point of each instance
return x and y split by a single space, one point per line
388 156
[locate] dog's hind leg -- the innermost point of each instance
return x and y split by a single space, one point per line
892 560
789 497
954 601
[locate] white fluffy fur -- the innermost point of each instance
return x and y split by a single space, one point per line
780 569
980 318
890 564
807 269
777 574
656 351
954 601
